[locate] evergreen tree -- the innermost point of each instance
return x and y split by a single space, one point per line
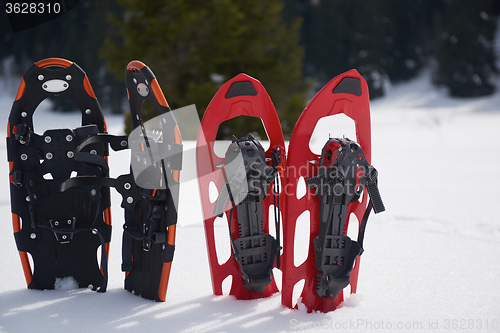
465 51
194 46
393 39
378 38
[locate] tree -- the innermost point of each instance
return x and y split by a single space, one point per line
465 51
392 40
194 46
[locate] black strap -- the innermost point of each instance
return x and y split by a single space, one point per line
104 264
276 159
87 181
362 225
115 141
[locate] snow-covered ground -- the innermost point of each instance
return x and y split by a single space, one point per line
430 261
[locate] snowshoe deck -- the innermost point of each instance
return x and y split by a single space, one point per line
328 267
60 228
253 250
151 191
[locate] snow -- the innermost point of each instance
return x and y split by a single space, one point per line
430 261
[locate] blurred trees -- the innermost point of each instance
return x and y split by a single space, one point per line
391 40
194 46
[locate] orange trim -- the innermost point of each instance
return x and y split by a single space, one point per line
178 136
155 86
22 88
88 87
16 222
176 174
165 273
54 62
165 276
107 216
153 192
135 65
28 275
171 235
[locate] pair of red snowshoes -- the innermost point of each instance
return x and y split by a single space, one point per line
60 184
248 180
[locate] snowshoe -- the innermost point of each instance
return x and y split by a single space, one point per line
59 219
151 192
247 181
335 179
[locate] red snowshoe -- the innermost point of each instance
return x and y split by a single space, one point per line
335 181
246 180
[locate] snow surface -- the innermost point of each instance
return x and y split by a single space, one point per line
430 261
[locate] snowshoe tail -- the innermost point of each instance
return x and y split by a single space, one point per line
151 192
59 219
244 179
335 181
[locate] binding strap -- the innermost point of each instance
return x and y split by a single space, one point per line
247 182
340 163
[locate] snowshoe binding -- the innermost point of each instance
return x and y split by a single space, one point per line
59 219
245 179
335 181
151 192
248 180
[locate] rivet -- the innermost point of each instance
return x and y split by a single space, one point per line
24 157
65 85
33 235
56 223
40 77
94 231
123 143
48 156
93 192
69 221
130 200
138 159
64 237
93 152
145 162
169 147
135 81
127 186
45 86
69 138
70 154
28 198
88 111
68 77
48 139
90 286
24 114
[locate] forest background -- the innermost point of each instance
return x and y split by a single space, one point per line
293 47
